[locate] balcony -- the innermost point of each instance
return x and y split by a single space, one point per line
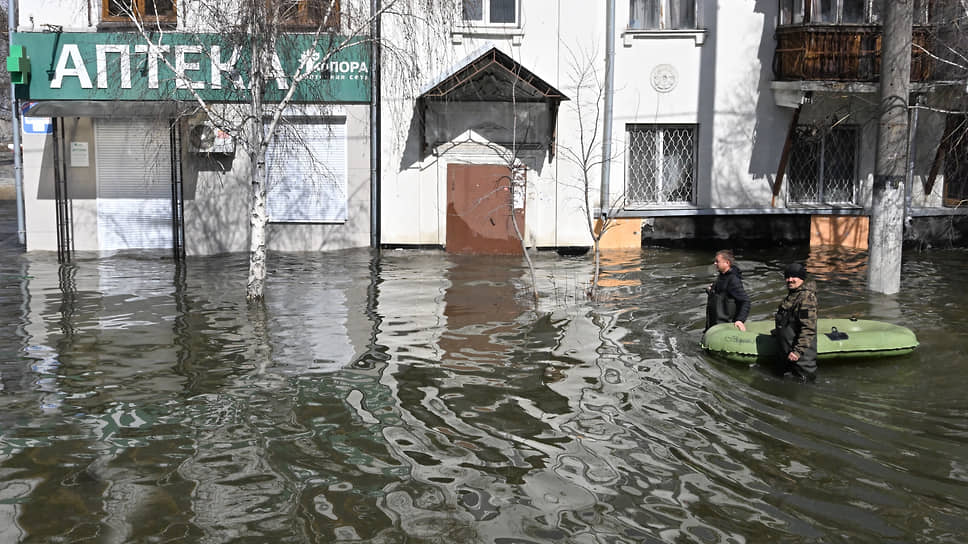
847 53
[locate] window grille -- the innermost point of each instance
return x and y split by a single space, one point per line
955 148
661 165
822 168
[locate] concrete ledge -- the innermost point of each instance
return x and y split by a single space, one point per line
693 212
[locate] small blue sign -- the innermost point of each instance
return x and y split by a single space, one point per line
34 125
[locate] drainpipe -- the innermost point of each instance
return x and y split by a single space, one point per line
375 7
912 156
18 168
609 88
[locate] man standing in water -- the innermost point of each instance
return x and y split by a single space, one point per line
727 301
796 325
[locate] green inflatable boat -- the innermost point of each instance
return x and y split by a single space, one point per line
836 339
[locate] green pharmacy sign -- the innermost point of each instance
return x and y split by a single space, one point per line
174 66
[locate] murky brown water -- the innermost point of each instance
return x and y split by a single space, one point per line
419 398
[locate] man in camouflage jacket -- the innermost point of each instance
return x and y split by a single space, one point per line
796 325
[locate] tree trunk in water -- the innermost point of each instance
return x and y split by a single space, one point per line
258 216
258 219
887 213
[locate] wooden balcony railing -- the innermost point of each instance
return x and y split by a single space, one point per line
841 53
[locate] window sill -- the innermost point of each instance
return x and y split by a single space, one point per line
149 26
644 206
824 205
515 33
698 35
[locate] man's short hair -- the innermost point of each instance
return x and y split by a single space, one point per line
727 254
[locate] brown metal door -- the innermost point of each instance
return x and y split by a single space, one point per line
479 211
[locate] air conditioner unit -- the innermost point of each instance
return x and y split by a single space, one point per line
204 137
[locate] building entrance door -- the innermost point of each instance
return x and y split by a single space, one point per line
479 210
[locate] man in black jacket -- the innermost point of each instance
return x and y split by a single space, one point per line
727 302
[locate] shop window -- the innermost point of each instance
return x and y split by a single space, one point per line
125 10
661 164
822 167
309 13
955 145
663 14
306 164
490 12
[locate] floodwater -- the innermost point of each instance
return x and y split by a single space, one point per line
419 397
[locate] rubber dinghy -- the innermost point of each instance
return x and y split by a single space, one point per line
836 339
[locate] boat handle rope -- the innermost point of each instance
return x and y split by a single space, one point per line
834 334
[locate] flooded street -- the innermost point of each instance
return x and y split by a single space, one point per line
419 397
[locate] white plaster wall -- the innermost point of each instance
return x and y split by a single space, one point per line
218 195
72 15
748 129
413 187
39 210
722 84
38 178
355 232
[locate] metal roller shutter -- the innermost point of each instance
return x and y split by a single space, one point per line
133 184
306 167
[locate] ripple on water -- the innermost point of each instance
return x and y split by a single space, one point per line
421 396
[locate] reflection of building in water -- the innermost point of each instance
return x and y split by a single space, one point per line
621 268
490 435
309 328
828 262
481 305
94 333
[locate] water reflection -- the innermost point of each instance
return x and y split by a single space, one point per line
416 396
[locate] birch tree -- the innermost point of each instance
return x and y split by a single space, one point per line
264 88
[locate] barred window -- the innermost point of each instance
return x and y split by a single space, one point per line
661 164
822 168
955 148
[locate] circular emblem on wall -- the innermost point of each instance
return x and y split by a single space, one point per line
664 78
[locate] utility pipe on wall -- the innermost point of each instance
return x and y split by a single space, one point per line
375 21
18 168
607 125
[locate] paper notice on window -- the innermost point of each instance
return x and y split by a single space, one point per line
79 155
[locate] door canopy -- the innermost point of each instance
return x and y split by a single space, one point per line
494 77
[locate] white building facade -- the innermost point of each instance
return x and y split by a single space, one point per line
711 135
490 129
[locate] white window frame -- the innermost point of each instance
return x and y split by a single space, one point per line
485 28
486 15
303 187
634 31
